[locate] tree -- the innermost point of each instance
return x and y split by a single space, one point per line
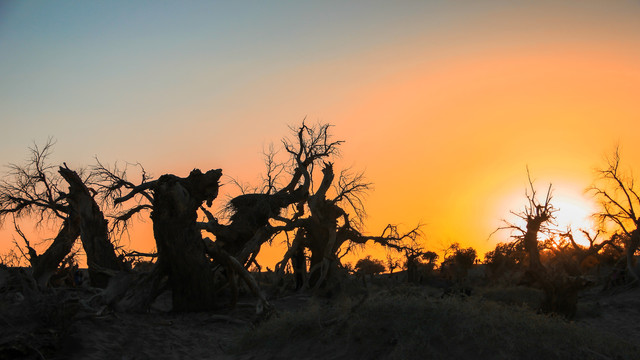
249 225
505 257
182 253
36 190
619 201
369 266
561 291
323 219
458 261
417 259
94 234
328 227
537 216
575 258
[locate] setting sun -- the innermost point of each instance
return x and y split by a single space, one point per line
575 212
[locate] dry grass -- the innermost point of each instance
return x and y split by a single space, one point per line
406 324
33 324
514 295
400 322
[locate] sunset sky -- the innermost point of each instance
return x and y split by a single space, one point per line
443 104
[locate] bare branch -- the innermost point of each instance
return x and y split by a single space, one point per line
33 188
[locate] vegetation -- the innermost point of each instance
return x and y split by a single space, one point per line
405 323
369 266
311 298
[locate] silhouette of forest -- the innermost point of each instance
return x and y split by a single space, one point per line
203 294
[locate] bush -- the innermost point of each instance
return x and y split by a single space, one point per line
369 266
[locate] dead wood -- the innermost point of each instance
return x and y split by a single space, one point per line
94 233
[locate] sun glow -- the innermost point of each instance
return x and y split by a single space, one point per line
573 208
574 213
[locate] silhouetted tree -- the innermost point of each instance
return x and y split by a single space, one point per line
619 200
369 266
94 234
417 259
328 227
561 291
36 189
505 257
537 216
575 258
458 261
182 253
392 263
249 225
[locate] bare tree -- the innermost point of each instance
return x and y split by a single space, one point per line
537 216
35 189
181 248
584 255
328 227
94 234
619 201
561 291
249 225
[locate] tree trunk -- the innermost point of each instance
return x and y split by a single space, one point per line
531 244
47 263
299 267
180 246
631 247
94 234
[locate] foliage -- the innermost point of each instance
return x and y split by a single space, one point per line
505 257
455 256
369 266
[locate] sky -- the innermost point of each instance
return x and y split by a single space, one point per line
443 104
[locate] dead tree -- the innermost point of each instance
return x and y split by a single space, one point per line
561 291
619 201
37 189
586 256
181 249
537 216
94 234
249 226
328 227
33 190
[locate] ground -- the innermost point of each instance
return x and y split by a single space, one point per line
397 321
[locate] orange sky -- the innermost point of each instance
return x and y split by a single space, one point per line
444 106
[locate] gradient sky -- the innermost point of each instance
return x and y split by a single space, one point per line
442 103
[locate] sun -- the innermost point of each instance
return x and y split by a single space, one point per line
575 212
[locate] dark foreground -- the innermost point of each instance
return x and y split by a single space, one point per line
381 322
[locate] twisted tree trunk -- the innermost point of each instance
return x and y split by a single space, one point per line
101 255
181 250
47 263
